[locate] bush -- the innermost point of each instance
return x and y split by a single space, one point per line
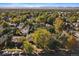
28 47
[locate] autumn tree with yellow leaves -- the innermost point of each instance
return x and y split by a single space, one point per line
58 24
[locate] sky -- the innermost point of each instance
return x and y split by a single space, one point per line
39 4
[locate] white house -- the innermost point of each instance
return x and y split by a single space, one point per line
16 38
25 30
20 26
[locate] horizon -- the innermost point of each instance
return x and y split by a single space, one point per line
13 5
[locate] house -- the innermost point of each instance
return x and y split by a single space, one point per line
17 41
76 34
12 24
25 30
1 30
76 25
67 27
1 27
3 40
16 38
48 25
20 25
77 12
78 21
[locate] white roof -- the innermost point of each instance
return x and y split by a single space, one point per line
77 35
77 20
15 38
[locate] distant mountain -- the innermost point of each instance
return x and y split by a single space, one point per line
39 7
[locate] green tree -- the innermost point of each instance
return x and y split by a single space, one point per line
28 47
50 19
41 19
72 18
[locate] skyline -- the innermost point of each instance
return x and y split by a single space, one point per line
39 4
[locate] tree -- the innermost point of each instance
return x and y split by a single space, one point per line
41 37
5 24
58 24
28 47
15 20
18 32
41 19
50 20
71 41
72 18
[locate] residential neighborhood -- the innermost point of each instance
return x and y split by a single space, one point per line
39 32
